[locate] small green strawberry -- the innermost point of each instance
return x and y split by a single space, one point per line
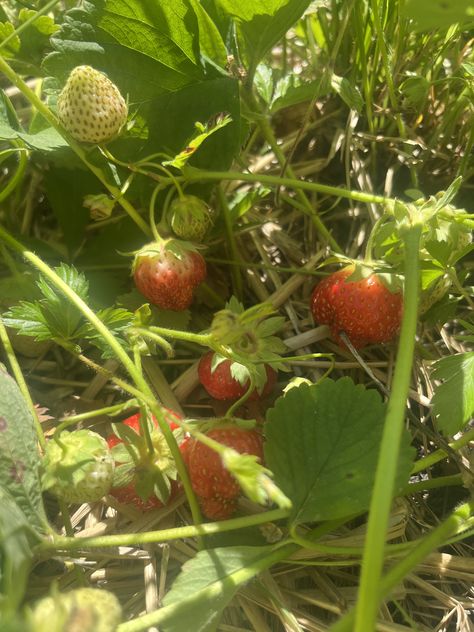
78 467
80 610
90 106
190 217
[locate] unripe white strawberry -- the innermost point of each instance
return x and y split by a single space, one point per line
90 106
78 467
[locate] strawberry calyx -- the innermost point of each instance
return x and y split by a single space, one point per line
248 337
155 250
148 473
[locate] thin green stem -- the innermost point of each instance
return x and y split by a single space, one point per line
61 543
372 564
440 455
432 483
71 420
16 369
231 242
205 340
17 176
75 146
267 132
151 213
191 174
241 401
457 522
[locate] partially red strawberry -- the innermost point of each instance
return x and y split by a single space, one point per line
364 309
227 380
162 459
168 272
209 478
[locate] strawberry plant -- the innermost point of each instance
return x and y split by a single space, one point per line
256 215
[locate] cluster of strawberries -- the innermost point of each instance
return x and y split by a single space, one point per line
167 272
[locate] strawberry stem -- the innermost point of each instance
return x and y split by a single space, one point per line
204 340
370 241
61 543
71 420
193 174
231 243
373 559
151 214
460 520
266 129
244 398
439 455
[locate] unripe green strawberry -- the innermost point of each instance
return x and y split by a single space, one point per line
90 106
190 217
81 610
78 467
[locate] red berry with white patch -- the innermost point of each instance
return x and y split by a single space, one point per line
167 273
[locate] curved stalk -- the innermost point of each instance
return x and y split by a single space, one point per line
372 563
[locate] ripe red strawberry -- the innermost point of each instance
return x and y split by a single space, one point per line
90 106
221 384
162 458
366 310
209 478
167 273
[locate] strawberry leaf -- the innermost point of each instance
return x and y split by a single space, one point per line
193 144
322 446
16 540
453 401
206 585
19 474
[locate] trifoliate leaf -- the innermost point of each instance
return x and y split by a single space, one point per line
453 401
322 446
